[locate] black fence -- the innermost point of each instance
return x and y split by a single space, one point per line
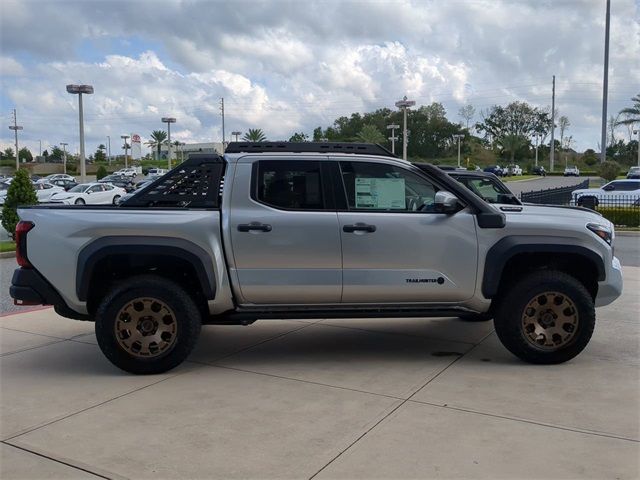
552 196
621 210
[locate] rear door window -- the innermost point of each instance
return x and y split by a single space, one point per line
289 184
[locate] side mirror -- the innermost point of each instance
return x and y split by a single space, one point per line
445 202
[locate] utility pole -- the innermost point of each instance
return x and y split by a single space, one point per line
404 104
553 124
222 113
15 127
109 148
126 148
64 157
40 142
393 137
537 142
458 136
605 85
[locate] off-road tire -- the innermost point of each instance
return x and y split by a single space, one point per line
187 318
509 316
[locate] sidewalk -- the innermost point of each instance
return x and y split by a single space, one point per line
384 398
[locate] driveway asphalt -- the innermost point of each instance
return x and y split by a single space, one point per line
362 398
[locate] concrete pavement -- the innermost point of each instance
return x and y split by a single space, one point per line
362 398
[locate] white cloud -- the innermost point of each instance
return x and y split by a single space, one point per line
10 67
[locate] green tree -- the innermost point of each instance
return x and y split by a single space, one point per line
467 113
101 173
25 155
517 118
299 137
100 156
563 124
158 137
255 135
56 155
631 114
511 144
609 170
370 134
8 152
20 192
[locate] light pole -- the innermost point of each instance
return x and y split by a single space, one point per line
109 148
236 134
79 90
15 127
126 148
538 137
458 137
393 137
404 104
64 156
637 132
169 121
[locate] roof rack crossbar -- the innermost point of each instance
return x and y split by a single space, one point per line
303 147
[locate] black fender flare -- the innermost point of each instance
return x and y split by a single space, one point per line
185 250
504 250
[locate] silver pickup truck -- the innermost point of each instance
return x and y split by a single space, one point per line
313 230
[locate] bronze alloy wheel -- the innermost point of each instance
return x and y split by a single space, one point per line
146 327
550 321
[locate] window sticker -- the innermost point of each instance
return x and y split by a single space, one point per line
380 193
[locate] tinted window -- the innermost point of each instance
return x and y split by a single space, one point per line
626 186
383 187
488 189
290 184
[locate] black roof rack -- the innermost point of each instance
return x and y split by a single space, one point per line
194 183
316 147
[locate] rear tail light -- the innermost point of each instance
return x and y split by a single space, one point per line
22 228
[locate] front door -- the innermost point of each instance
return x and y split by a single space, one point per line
395 247
284 233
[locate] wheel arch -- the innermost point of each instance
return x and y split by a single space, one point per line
528 253
123 256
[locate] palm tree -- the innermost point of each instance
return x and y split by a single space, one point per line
255 135
632 114
157 139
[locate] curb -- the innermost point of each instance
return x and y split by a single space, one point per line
7 255
627 233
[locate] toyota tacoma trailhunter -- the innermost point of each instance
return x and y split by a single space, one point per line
313 230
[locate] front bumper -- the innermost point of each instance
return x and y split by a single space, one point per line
611 288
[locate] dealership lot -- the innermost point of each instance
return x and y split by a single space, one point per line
365 398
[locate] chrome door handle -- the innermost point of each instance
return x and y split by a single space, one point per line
254 226
359 227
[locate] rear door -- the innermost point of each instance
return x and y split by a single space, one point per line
284 232
395 247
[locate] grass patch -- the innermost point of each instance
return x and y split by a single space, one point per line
7 246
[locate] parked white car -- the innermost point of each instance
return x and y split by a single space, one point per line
57 176
618 192
90 194
44 191
571 172
156 172
514 170
127 172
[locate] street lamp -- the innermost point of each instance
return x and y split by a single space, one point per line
236 134
79 90
169 121
64 156
126 148
404 104
459 137
393 137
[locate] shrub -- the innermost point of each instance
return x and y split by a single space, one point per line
20 192
609 170
101 173
627 216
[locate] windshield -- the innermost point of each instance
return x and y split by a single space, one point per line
80 188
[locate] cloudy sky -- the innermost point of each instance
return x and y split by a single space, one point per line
293 66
